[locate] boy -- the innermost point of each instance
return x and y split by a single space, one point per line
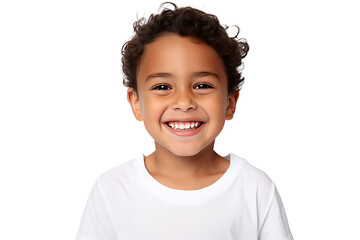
183 83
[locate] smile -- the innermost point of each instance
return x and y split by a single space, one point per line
184 126
185 129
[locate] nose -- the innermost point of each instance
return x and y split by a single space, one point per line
184 101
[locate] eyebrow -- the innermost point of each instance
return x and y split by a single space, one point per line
168 75
158 75
204 74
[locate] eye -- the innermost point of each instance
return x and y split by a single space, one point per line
161 87
203 85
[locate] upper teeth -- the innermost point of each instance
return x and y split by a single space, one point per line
183 126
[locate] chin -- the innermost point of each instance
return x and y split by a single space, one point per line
185 152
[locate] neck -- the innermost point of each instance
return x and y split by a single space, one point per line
169 164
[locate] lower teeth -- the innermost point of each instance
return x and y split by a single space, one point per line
179 129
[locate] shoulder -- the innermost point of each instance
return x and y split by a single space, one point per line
250 173
120 174
253 179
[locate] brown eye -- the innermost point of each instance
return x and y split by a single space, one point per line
161 87
202 85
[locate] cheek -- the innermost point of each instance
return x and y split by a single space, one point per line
216 106
152 109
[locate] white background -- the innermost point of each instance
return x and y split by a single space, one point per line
64 118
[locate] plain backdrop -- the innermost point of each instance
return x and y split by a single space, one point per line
64 118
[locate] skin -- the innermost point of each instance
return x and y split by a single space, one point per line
180 79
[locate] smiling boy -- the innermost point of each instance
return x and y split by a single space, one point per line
181 70
182 97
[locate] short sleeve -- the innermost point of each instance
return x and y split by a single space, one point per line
96 223
274 224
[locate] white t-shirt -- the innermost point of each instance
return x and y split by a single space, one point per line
127 203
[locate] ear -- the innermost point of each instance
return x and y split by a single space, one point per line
133 99
232 100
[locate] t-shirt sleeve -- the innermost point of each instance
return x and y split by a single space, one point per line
96 222
274 224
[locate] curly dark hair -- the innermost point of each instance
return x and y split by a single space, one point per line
185 21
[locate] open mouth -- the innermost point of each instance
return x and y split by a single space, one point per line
184 126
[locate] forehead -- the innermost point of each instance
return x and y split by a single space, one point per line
179 55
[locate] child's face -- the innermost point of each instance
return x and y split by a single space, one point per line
182 94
